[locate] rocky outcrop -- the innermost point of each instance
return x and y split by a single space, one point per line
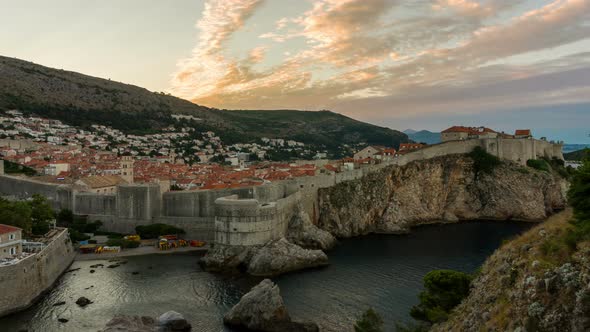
304 233
262 309
274 258
443 189
170 321
281 256
532 283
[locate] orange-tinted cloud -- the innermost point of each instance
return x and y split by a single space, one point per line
366 50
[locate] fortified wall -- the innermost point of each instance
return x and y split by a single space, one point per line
245 216
23 282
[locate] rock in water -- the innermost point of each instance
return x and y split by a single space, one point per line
122 323
304 233
274 258
281 256
82 301
227 258
263 309
173 321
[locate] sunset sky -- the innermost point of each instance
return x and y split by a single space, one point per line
423 64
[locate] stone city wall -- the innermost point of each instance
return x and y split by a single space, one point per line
24 282
264 209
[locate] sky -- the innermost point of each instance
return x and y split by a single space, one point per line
422 64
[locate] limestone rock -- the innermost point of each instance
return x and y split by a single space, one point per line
263 309
304 233
122 323
274 258
442 189
511 293
83 301
227 259
281 256
173 321
170 321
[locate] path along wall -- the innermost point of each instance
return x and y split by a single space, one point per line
24 282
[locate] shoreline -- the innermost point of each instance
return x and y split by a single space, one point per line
141 251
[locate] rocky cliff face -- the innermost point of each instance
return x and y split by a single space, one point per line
444 189
533 283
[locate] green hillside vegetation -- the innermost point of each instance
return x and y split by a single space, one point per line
83 100
577 155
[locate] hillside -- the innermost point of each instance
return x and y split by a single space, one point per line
532 283
576 155
423 136
82 100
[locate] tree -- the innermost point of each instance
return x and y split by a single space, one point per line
65 217
41 214
16 214
370 321
444 290
579 200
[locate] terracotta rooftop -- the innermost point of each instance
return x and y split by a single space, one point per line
469 130
522 132
5 229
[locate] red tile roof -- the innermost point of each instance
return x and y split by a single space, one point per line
522 132
469 130
5 229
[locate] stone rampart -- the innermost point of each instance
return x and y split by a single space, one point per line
257 213
24 282
59 196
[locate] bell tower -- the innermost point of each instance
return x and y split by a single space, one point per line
126 165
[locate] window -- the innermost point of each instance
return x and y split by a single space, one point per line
13 251
11 237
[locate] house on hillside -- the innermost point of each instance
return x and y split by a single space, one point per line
386 154
460 133
407 147
368 152
105 184
10 241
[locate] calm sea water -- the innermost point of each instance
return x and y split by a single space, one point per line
380 271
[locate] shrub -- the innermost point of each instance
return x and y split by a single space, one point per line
76 236
370 321
444 290
154 230
483 161
539 164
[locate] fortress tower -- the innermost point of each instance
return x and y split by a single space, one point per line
126 165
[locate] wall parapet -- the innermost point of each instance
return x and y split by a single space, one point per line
24 282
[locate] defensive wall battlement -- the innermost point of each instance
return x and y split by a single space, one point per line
243 216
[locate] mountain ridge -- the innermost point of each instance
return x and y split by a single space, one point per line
82 100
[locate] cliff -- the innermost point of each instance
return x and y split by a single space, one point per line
442 189
533 283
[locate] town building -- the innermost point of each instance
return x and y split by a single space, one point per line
127 168
106 184
10 241
523 133
368 152
407 147
459 133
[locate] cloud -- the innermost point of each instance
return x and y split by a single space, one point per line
367 57
206 67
